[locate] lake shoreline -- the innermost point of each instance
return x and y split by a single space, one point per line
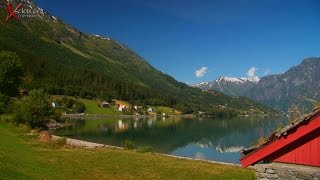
202 138
88 144
83 115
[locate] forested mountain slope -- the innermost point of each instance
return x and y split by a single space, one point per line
63 60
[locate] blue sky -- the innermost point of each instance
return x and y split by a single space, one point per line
215 37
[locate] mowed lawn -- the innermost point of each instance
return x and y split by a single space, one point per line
23 157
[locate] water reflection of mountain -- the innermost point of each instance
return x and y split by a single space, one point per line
168 134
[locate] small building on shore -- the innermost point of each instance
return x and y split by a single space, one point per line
104 104
297 143
150 109
137 107
121 105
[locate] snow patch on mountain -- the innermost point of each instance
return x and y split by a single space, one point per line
229 85
237 80
228 79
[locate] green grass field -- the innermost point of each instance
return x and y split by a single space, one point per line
92 106
23 157
167 110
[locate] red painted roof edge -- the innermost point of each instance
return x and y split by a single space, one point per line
284 132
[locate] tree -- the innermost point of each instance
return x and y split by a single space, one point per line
68 102
10 73
79 107
36 110
4 103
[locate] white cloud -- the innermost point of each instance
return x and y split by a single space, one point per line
256 79
201 72
252 72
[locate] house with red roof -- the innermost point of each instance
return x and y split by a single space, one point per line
297 143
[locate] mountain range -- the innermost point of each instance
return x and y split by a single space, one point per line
229 85
281 91
63 60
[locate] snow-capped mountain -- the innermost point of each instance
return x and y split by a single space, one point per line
282 91
290 89
229 85
237 80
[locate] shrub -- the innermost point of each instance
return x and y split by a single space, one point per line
79 107
128 144
71 105
145 149
5 118
35 110
60 142
4 103
126 112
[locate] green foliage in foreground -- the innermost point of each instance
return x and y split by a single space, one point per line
22 157
4 103
35 110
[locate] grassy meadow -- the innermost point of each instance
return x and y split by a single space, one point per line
22 156
93 108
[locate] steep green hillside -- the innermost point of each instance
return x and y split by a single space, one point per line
63 60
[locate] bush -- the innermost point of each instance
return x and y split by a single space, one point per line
128 144
79 107
145 149
60 142
4 103
5 118
71 105
35 110
126 112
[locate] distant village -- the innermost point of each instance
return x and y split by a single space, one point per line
76 106
123 106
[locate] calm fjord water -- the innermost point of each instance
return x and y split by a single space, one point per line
201 138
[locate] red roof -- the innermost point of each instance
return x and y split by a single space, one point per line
297 143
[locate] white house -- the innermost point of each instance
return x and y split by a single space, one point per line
122 108
137 107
